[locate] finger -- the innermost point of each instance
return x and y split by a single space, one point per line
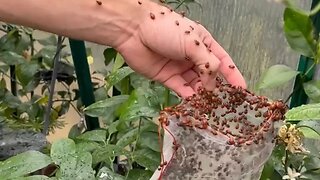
227 68
192 79
206 63
178 84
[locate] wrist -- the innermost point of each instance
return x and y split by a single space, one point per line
123 18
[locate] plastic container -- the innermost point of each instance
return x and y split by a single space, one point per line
224 135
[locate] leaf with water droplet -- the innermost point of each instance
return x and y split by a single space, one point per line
23 164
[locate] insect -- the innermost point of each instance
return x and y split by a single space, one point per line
152 16
99 2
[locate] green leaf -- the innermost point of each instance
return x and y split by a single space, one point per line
101 107
4 68
147 158
100 94
118 63
11 100
131 136
150 140
11 58
94 135
62 148
136 111
72 164
267 170
107 153
128 138
311 162
299 33
26 71
3 83
310 129
112 128
23 164
139 174
304 112
312 89
106 174
282 73
35 177
87 146
75 131
118 75
109 55
51 40
312 174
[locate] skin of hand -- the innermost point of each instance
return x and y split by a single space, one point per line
178 52
154 40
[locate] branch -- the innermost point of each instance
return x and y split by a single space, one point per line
56 59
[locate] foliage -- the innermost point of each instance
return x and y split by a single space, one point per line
28 69
127 147
301 36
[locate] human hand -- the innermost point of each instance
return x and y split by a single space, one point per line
177 52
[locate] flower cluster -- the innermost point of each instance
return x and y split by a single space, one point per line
292 138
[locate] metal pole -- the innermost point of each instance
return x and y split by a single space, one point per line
79 57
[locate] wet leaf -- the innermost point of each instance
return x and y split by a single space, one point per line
72 164
147 158
23 164
282 73
304 112
131 136
107 153
102 107
150 140
118 75
35 177
106 174
137 111
87 146
299 33
139 174
94 135
61 148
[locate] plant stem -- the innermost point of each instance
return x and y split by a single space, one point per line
13 80
301 83
4 73
315 10
134 147
180 4
286 163
52 85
